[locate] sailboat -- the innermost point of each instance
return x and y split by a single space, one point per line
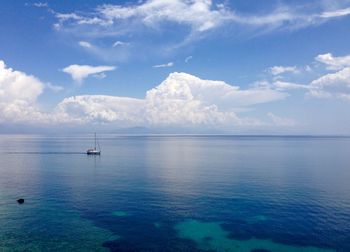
94 151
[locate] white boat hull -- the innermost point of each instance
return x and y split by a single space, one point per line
93 152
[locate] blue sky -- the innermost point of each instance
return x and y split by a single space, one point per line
244 66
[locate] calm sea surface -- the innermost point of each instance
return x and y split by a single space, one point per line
175 193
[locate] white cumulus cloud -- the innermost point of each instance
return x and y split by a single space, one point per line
16 85
335 84
341 77
80 72
334 63
18 95
101 109
181 100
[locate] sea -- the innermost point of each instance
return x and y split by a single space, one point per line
175 193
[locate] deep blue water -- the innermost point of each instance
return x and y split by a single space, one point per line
175 193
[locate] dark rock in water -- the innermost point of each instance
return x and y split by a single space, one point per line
260 250
20 201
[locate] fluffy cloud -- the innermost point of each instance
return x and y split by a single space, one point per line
276 70
335 84
334 63
341 77
80 72
189 87
18 95
329 85
332 85
181 100
186 99
16 85
326 87
100 109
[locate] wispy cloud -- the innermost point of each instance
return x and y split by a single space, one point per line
85 44
188 59
54 88
284 85
336 13
120 43
119 52
200 15
281 121
200 18
37 5
169 64
276 70
80 72
41 4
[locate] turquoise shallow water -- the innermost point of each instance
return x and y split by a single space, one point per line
175 193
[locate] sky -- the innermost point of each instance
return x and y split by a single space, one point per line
175 66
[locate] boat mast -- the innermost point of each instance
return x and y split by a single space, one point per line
95 140
98 144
